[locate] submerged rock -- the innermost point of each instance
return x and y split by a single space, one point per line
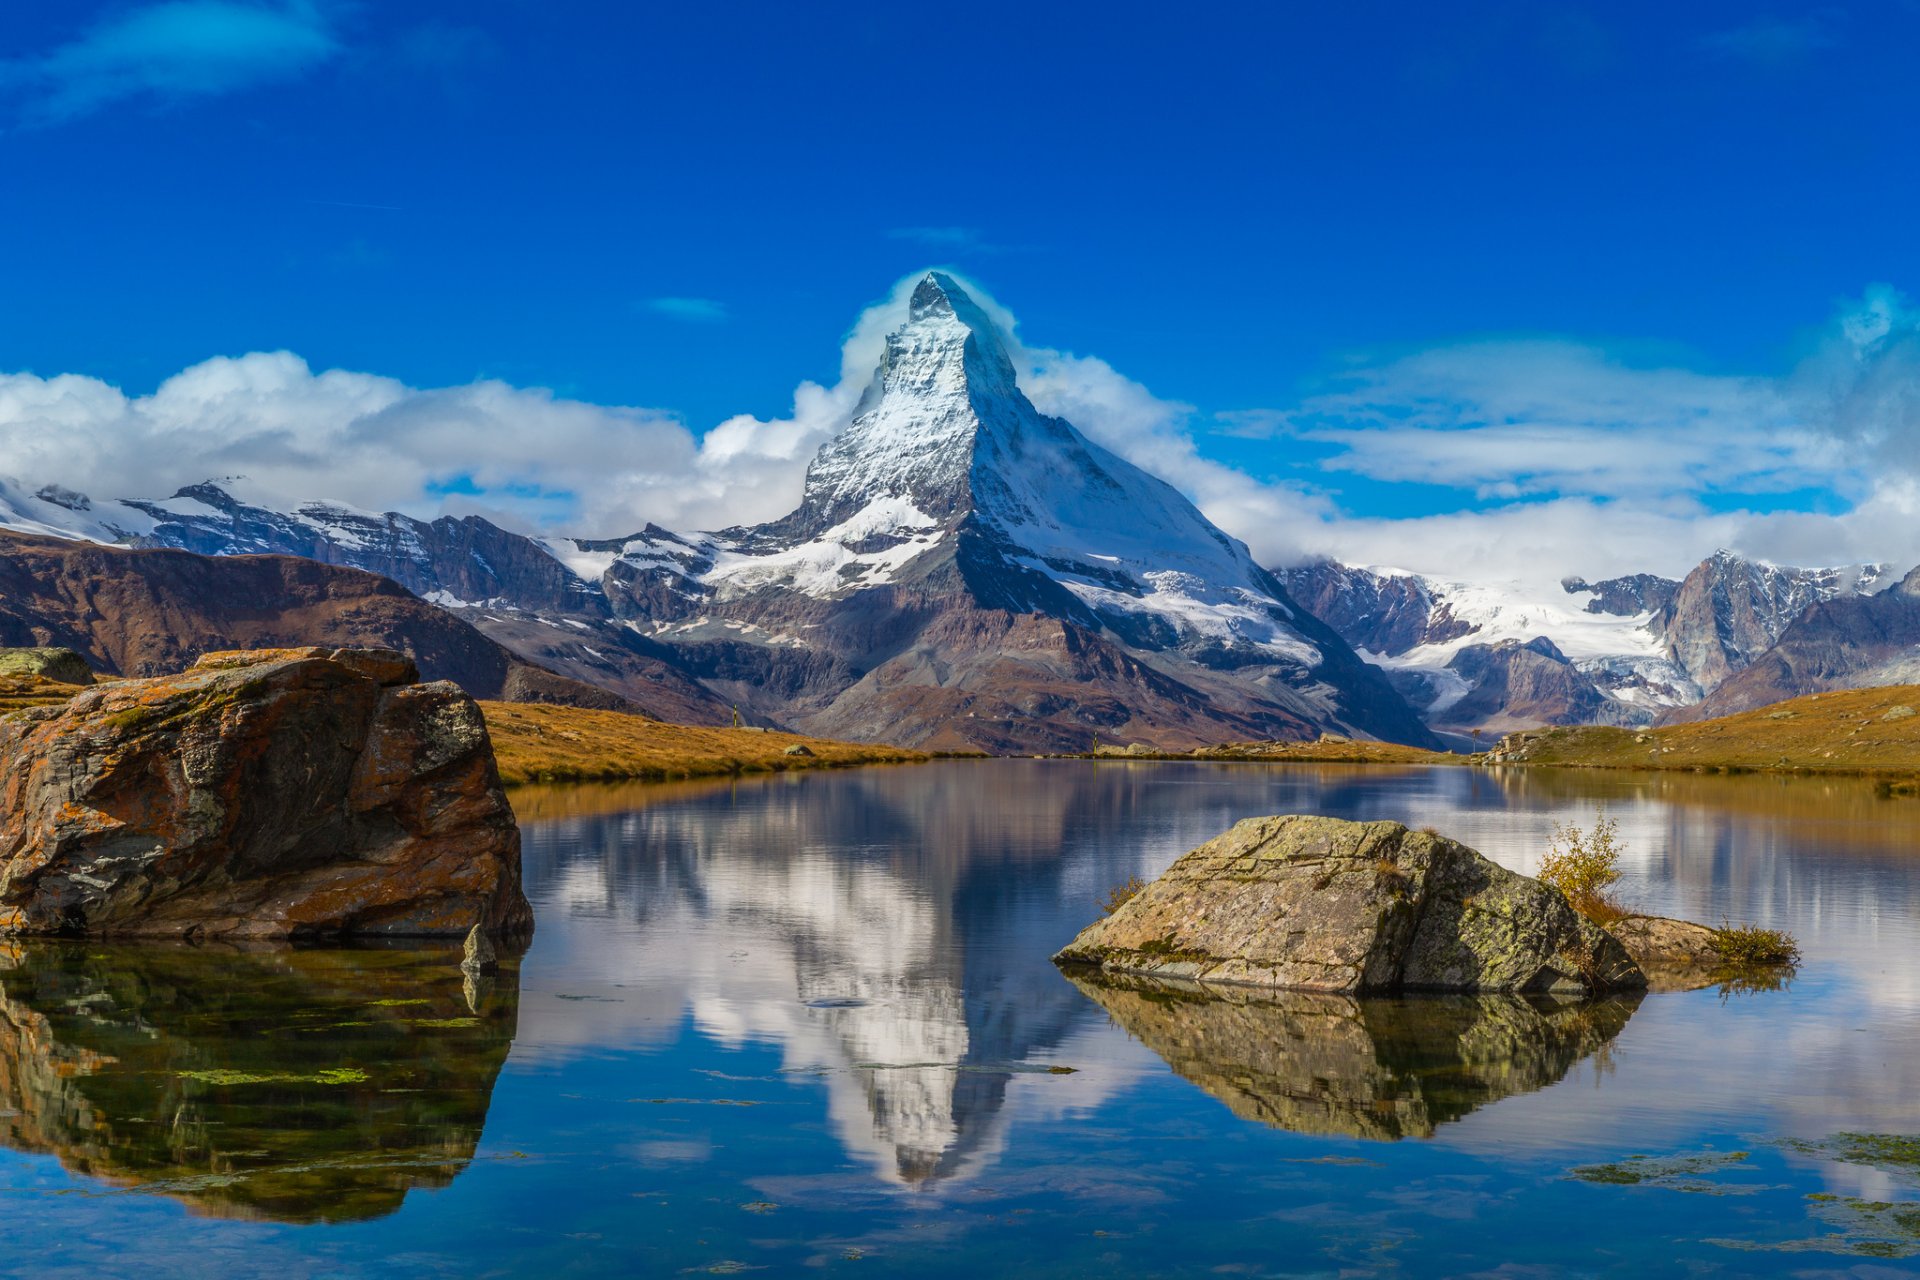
278 793
1318 904
62 666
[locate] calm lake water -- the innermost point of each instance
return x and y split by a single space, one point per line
807 1025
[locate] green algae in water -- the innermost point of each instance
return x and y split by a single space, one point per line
1674 1173
444 1024
222 1077
1896 1153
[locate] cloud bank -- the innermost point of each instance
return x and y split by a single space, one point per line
1560 457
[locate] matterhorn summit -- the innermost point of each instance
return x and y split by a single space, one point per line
965 570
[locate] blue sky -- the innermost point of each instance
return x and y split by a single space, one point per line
1274 218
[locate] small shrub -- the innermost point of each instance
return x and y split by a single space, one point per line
1750 946
1121 894
1584 866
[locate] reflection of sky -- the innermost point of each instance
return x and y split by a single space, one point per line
888 932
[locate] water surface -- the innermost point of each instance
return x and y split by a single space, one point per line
807 1024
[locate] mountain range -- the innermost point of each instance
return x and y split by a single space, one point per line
965 572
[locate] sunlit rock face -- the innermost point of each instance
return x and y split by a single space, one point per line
1321 904
1367 1068
263 794
292 1085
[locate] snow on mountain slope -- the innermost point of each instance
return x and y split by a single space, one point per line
944 437
56 512
1484 654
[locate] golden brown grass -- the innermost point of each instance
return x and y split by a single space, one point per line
1850 731
33 691
538 743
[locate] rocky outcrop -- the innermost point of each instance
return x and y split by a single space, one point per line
62 666
1387 613
1730 610
1319 904
1377 1068
274 794
1510 685
1625 597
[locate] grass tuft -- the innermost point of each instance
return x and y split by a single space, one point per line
1121 894
1750 946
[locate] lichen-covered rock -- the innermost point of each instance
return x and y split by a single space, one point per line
281 793
61 665
1317 904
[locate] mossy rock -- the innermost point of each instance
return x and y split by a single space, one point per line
61 665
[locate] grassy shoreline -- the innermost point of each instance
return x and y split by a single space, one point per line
1872 733
537 743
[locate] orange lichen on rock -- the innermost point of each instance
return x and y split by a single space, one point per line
268 794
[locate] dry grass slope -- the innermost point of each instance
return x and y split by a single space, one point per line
1850 731
538 743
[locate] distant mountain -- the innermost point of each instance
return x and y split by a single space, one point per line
964 571
1848 641
1730 610
141 613
513 588
1491 657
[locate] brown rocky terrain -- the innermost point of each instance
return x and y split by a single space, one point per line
151 612
266 794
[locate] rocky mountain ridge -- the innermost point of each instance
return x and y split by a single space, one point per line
1641 649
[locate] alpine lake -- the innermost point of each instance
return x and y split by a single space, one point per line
808 1025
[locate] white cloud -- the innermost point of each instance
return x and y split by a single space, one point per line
1540 418
177 49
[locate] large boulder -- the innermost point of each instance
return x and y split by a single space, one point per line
1317 904
62 666
272 794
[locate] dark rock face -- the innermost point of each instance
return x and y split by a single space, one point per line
1318 904
1624 597
1513 685
63 666
1381 613
1847 642
1375 1067
276 794
1730 610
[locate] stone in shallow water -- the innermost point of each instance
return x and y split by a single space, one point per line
1318 904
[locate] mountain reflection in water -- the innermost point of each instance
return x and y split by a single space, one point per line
1374 1067
288 1085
